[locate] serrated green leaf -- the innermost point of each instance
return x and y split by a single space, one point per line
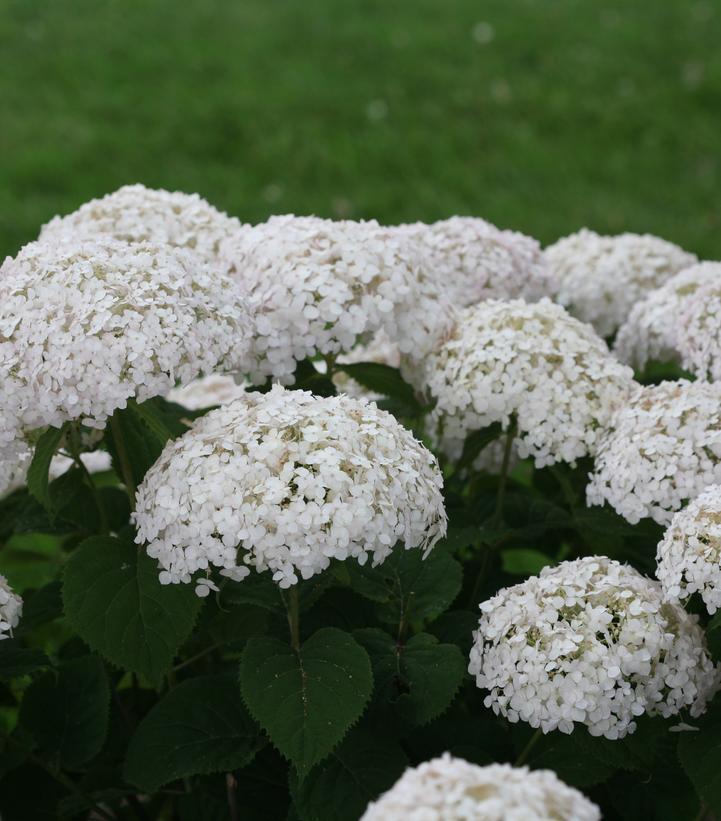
357 772
524 561
66 711
16 660
114 600
416 679
201 726
385 380
700 753
39 471
306 700
578 759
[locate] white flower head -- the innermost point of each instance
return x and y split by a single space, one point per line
533 361
451 789
601 278
322 286
660 450
86 325
474 260
590 642
135 213
699 329
689 555
650 331
11 608
214 389
286 481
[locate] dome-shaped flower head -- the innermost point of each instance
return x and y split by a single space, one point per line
11 608
286 481
451 789
651 330
214 389
590 642
135 213
531 361
321 287
474 260
660 450
601 278
689 555
86 325
699 329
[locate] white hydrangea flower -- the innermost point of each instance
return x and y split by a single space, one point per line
699 330
451 789
135 213
474 260
11 608
590 642
533 361
601 278
214 389
321 287
659 451
689 555
86 325
651 330
286 481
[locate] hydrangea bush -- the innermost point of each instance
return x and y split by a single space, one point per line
327 521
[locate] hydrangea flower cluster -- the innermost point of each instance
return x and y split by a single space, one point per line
660 450
214 389
286 481
689 555
86 325
699 330
475 260
651 330
11 608
600 278
531 361
135 213
321 286
451 789
590 642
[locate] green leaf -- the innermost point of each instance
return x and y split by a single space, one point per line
363 767
700 753
419 589
39 470
16 660
417 679
201 726
524 561
385 380
476 442
115 602
67 712
306 700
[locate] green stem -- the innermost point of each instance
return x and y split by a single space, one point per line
125 466
526 751
195 658
500 498
75 452
293 618
702 812
330 364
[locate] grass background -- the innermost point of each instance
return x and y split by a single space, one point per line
544 115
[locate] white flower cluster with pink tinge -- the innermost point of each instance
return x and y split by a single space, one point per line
452 789
590 642
533 362
11 608
689 555
85 325
601 278
474 260
286 481
321 287
662 448
135 213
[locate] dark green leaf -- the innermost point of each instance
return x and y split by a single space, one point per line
456 627
115 602
357 772
417 679
306 700
66 711
201 726
16 660
700 753
39 470
385 380
524 561
476 442
41 606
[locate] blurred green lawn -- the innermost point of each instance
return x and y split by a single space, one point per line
544 115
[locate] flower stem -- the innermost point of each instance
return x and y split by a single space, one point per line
526 751
293 618
501 496
124 459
